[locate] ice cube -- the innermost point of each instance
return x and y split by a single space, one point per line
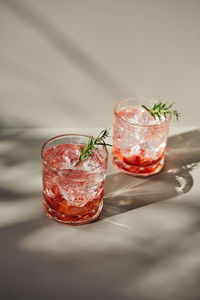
89 164
70 156
141 116
63 156
92 162
156 121
134 150
71 197
78 192
152 148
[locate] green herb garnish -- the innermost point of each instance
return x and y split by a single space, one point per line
88 150
161 109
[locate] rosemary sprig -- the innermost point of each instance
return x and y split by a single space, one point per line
88 150
161 109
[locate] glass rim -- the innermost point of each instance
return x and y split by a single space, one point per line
135 124
67 169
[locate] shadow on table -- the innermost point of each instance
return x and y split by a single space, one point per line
62 259
124 192
20 165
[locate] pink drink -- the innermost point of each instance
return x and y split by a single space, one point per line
139 141
72 194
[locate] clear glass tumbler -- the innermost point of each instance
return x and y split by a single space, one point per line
139 141
72 194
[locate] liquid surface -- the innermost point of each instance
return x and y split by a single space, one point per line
65 156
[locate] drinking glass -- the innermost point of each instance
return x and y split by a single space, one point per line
139 141
72 194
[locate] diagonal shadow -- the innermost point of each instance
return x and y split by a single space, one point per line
64 44
31 75
86 266
19 156
124 192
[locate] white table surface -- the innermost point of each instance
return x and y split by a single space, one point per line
146 244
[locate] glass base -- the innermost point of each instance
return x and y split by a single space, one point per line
136 170
73 220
